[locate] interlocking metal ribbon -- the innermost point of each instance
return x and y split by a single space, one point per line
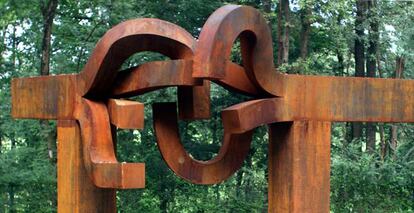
193 63
93 96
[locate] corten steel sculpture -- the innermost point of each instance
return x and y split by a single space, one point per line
89 106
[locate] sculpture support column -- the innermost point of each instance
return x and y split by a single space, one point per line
76 192
299 166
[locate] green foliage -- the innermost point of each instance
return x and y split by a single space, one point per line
360 181
363 183
27 172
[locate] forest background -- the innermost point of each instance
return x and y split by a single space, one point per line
372 164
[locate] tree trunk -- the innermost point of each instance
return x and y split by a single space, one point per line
48 16
11 198
373 39
286 10
217 192
383 142
163 203
11 184
279 34
357 130
341 63
48 12
359 48
399 71
3 43
359 54
14 49
394 138
379 68
248 183
305 18
267 6
340 53
348 65
163 188
372 52
283 32
371 131
347 133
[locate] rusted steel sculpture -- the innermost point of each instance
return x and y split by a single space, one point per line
89 106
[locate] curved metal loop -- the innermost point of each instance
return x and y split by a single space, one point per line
232 153
217 37
210 61
112 50
98 150
126 39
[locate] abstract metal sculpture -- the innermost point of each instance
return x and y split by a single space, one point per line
298 110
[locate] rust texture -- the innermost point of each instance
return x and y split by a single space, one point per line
91 105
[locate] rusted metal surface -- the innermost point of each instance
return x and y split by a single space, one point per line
126 114
76 191
216 40
118 44
299 166
234 149
327 99
46 97
152 76
297 108
99 153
